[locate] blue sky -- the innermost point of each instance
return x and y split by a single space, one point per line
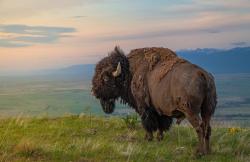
43 34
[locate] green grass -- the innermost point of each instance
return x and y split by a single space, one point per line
82 138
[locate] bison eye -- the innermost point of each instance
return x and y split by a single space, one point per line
105 78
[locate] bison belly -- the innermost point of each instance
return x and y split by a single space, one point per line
184 84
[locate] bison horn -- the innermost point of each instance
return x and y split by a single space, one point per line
118 70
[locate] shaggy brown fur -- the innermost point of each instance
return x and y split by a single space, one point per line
107 89
148 58
153 56
158 85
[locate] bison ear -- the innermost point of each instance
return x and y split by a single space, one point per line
118 70
117 49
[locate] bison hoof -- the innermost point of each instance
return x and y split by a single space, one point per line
207 151
148 138
160 137
200 152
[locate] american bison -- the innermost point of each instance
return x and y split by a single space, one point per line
159 86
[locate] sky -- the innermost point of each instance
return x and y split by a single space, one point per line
47 34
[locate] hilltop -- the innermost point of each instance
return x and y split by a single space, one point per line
82 138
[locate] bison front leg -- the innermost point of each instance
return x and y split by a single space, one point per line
149 123
164 124
160 135
149 136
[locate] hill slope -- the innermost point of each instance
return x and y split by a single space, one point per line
87 138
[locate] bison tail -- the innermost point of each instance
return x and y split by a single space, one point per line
210 101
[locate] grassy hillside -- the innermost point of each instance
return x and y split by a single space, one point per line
85 138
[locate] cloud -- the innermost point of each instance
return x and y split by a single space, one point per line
214 29
197 6
29 8
22 35
10 44
78 17
239 43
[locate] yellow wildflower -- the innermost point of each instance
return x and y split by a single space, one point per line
234 130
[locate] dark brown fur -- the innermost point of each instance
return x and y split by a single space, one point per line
158 85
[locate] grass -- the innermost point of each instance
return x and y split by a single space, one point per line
81 138
131 121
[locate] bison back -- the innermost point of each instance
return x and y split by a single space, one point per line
185 84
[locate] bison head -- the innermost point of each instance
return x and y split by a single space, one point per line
109 78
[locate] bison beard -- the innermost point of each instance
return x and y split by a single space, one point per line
108 105
159 86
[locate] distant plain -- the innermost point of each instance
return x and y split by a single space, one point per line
57 96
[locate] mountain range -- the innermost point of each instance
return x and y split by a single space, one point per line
236 60
216 61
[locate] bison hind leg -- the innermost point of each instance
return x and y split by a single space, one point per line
207 132
197 123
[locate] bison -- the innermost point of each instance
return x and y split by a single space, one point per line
159 86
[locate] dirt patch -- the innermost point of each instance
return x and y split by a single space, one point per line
126 138
91 131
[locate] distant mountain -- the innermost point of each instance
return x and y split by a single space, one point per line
236 60
85 70
82 71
